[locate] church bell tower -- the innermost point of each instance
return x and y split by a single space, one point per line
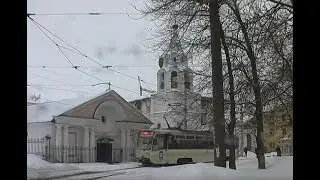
174 73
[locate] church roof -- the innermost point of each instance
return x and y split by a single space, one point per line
44 112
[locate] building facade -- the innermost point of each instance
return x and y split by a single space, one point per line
175 104
102 129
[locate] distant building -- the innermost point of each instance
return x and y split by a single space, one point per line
100 129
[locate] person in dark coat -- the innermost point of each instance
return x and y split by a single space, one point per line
245 151
278 150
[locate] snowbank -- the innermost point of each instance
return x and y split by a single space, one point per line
36 162
281 170
251 155
271 154
39 168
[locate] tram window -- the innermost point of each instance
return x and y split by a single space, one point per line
184 144
190 137
173 144
180 137
191 144
161 143
201 137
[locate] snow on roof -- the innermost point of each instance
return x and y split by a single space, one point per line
44 112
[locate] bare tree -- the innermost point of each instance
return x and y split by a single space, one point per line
35 98
232 123
258 35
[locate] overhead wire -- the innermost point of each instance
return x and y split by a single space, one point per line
65 90
82 14
106 13
75 67
79 52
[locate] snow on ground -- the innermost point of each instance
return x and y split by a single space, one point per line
278 168
104 166
39 168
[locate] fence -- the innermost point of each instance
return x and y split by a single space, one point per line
286 147
38 146
72 154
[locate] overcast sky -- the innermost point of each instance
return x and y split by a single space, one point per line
112 39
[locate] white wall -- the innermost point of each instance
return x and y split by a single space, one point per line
40 130
79 133
160 106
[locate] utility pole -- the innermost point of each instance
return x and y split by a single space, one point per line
185 107
143 89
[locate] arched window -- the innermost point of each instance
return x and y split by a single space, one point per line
174 83
139 105
186 80
162 80
103 119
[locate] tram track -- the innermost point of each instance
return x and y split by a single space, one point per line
84 173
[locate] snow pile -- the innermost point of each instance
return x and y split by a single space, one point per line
36 162
251 155
37 167
271 154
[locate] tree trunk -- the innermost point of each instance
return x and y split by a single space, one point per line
256 89
231 125
217 83
232 158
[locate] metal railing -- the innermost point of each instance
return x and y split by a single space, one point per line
74 154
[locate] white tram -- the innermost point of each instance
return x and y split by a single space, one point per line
174 146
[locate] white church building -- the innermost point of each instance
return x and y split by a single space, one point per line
101 129
175 104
